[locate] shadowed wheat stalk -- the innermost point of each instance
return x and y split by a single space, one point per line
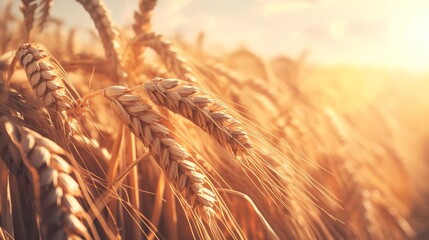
55 191
142 22
176 64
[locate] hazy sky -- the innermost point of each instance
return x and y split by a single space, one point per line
388 33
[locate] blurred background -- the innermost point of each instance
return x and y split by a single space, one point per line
389 34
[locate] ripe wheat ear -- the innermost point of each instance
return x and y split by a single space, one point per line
173 159
205 112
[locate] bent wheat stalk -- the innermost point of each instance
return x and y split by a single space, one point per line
142 19
108 33
204 111
173 159
171 58
55 191
28 9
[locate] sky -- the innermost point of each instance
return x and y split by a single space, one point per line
383 33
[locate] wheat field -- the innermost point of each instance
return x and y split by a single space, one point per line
118 132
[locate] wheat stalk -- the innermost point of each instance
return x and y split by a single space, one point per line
5 235
173 159
142 19
28 9
141 26
205 112
107 31
175 63
54 189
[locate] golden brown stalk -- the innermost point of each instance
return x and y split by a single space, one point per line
55 191
107 31
28 9
6 210
142 23
173 159
172 60
5 235
204 111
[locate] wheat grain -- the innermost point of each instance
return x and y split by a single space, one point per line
173 159
26 151
204 111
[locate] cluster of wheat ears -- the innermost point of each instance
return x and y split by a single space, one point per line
150 140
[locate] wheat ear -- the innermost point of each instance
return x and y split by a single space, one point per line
55 190
173 159
45 76
142 23
204 111
28 9
50 84
108 33
171 58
